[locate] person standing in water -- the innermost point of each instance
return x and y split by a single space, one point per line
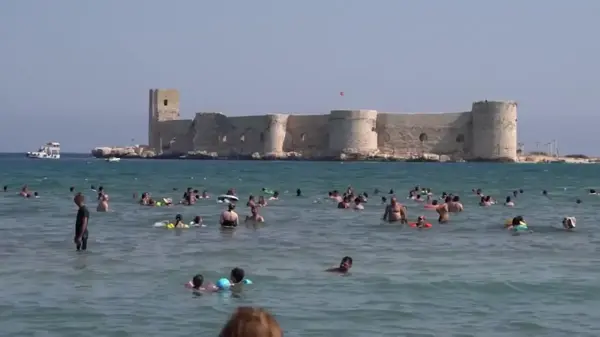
81 223
229 218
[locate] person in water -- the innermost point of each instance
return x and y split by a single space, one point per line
102 202
395 212
344 266
298 193
236 277
275 196
455 206
421 223
229 218
443 210
261 201
358 204
81 223
569 223
509 202
254 217
197 222
197 284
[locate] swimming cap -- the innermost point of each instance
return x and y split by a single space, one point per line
223 283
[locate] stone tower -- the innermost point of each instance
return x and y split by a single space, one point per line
494 130
163 106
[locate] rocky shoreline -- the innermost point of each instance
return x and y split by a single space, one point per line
144 153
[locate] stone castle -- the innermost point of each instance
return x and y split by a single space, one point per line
487 132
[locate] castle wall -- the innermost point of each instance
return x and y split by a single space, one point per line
494 130
174 135
215 132
352 131
307 134
414 134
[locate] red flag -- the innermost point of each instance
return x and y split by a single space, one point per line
341 93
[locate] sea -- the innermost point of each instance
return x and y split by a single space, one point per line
469 277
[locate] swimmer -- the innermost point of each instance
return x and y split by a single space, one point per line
254 217
205 195
545 193
24 191
261 201
275 196
578 201
509 202
178 223
189 198
229 218
421 223
102 203
516 221
345 203
443 211
383 200
434 204
395 212
6 188
344 266
197 284
515 193
251 202
358 204
485 201
569 223
71 189
455 206
236 277
197 222
298 193
593 192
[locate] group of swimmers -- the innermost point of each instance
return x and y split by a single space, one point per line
237 278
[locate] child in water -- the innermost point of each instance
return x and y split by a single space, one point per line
197 284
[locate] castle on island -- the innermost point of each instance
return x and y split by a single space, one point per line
486 132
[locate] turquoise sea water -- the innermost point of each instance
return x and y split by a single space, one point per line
466 278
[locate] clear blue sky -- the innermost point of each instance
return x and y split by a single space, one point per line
79 71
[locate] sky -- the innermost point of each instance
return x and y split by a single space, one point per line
78 72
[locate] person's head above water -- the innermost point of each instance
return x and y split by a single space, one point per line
237 275
231 207
197 219
178 217
298 192
197 281
508 199
346 263
517 220
79 199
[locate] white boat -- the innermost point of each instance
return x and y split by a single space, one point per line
50 150
113 159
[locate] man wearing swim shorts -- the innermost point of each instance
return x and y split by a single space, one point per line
81 223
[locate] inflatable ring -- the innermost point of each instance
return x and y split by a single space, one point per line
414 224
